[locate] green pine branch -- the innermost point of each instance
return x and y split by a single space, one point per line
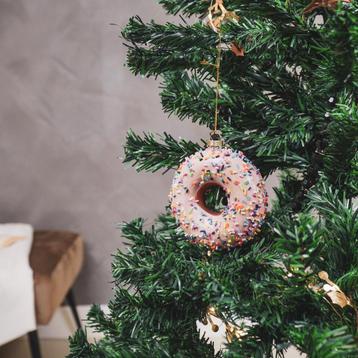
146 153
324 342
340 157
289 104
154 49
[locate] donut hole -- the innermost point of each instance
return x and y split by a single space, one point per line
212 198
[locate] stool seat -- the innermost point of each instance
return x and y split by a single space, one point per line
56 259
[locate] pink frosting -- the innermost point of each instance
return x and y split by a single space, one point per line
247 198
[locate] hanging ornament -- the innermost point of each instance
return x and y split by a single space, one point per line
329 4
228 170
217 14
218 168
232 331
331 290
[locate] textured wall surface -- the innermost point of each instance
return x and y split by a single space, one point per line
66 102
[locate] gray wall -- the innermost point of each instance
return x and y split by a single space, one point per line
66 102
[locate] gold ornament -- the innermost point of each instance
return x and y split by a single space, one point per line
234 332
212 311
214 327
335 294
217 13
231 331
332 291
208 318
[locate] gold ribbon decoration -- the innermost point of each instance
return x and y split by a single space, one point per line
316 4
231 331
331 290
217 13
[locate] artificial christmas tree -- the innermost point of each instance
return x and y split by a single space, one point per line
287 100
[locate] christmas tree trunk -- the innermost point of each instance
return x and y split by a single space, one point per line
287 99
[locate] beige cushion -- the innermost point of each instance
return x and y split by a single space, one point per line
56 259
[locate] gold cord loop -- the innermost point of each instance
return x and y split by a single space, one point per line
217 13
217 85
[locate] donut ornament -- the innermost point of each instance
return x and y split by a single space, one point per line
218 170
234 175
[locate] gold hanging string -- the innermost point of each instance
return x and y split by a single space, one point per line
217 13
217 85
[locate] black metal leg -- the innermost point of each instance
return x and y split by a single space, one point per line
70 299
34 344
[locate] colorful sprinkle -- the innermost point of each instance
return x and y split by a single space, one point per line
244 214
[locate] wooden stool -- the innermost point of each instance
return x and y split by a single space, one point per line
56 258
